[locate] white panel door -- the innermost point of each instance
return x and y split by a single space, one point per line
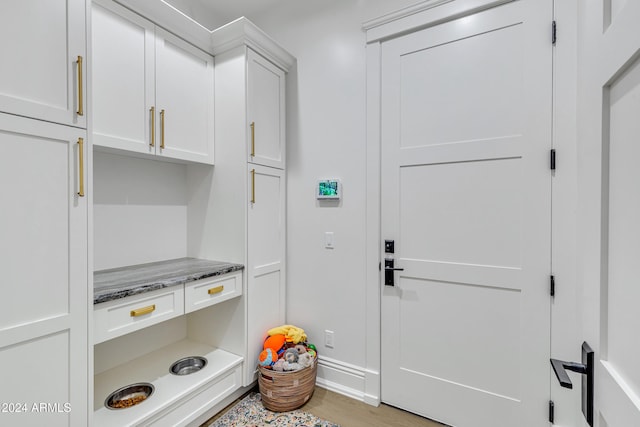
184 100
39 72
609 204
123 78
265 259
466 195
265 111
43 254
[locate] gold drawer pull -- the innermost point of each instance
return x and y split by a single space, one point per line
80 110
153 126
81 166
162 129
142 311
253 185
215 290
253 139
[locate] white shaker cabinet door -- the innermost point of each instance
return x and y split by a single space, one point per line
40 75
123 79
184 100
266 262
43 258
265 112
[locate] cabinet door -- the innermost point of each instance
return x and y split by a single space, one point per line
184 99
39 73
43 312
123 78
265 112
265 263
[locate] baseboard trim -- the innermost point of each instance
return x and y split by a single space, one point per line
346 379
339 388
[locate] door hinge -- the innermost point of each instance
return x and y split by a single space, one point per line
552 159
552 286
380 266
553 32
551 411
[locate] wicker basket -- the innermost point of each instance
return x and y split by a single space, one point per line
286 391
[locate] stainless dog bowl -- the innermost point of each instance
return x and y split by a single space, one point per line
188 365
129 396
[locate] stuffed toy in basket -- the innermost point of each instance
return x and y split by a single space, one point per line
287 369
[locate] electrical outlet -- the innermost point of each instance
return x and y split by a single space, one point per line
328 338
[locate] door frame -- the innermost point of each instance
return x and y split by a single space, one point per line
566 330
565 325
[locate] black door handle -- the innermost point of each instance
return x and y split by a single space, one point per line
560 367
388 271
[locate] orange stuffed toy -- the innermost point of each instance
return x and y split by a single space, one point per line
276 342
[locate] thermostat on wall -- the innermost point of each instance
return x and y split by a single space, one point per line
329 189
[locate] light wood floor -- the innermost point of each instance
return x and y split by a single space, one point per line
352 413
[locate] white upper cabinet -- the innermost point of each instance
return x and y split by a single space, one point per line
40 75
184 91
152 92
265 111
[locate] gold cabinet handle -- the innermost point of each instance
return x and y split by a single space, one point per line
153 127
81 165
253 185
80 111
215 290
162 129
253 139
142 311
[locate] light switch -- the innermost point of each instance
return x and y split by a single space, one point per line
328 338
328 240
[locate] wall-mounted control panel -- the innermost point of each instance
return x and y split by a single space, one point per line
329 189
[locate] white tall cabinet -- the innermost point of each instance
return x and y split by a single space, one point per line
152 92
266 230
44 171
43 314
250 181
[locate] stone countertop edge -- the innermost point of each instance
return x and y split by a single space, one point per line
117 283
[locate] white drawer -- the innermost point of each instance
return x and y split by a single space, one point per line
207 292
114 318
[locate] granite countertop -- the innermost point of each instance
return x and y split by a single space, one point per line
122 282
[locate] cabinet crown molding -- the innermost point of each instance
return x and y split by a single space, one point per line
243 31
236 33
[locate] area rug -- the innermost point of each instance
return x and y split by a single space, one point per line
249 412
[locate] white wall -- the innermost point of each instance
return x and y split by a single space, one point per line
139 211
326 103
